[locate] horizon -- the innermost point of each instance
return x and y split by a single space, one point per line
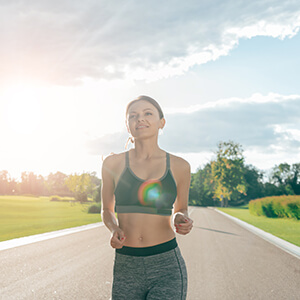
265 172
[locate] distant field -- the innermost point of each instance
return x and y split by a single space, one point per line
22 216
286 229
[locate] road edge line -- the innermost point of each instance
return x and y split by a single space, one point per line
22 241
280 243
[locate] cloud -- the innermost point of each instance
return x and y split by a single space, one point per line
268 122
109 143
68 41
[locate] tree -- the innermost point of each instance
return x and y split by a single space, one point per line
97 194
270 189
202 186
56 184
26 183
32 184
4 182
254 183
13 186
295 178
285 178
81 186
228 175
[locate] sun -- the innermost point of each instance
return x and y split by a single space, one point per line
22 108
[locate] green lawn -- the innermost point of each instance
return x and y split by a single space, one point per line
22 216
286 229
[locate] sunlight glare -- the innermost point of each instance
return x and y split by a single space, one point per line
22 108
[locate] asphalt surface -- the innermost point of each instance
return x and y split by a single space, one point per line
224 261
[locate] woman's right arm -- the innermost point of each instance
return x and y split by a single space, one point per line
108 213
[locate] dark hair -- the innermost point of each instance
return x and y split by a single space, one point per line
150 100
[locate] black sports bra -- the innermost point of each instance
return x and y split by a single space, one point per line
135 195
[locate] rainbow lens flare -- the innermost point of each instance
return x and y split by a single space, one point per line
150 192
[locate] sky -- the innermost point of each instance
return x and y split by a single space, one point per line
221 70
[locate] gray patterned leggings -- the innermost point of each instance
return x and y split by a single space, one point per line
161 276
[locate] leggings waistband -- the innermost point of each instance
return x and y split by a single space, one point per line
147 251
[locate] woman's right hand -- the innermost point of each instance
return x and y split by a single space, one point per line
117 239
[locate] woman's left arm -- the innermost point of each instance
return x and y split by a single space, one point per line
182 222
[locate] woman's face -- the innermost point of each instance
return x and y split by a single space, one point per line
143 120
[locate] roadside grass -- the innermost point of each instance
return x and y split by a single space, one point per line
286 229
23 216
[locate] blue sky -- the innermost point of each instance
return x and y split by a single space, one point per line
220 69
260 64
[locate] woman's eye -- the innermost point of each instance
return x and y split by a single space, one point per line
131 116
148 113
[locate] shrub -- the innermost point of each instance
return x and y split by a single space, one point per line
55 198
268 209
97 195
293 210
81 197
276 207
94 209
255 207
279 208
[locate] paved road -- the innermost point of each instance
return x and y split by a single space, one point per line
224 261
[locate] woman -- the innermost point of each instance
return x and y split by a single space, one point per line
143 185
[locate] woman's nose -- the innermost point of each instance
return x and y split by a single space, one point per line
140 118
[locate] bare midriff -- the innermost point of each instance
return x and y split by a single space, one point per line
145 230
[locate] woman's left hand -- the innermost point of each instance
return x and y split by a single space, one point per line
183 224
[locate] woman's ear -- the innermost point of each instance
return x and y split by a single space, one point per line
162 123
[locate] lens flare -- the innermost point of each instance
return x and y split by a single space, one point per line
149 192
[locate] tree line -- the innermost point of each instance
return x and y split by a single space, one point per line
226 179
79 186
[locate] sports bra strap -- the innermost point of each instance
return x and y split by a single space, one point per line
168 161
127 159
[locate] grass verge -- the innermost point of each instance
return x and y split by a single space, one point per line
286 229
23 216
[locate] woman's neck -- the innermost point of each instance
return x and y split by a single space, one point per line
146 149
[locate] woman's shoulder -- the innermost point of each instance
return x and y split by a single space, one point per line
113 160
178 163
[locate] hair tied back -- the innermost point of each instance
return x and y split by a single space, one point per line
130 139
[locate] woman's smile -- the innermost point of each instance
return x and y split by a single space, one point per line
141 126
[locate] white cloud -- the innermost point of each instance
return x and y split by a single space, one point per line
66 41
109 143
253 122
256 98
263 28
259 122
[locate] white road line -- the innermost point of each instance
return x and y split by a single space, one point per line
280 243
191 209
45 236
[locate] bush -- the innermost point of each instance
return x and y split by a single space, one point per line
276 207
62 199
81 197
55 198
268 209
97 195
94 209
293 210
255 207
